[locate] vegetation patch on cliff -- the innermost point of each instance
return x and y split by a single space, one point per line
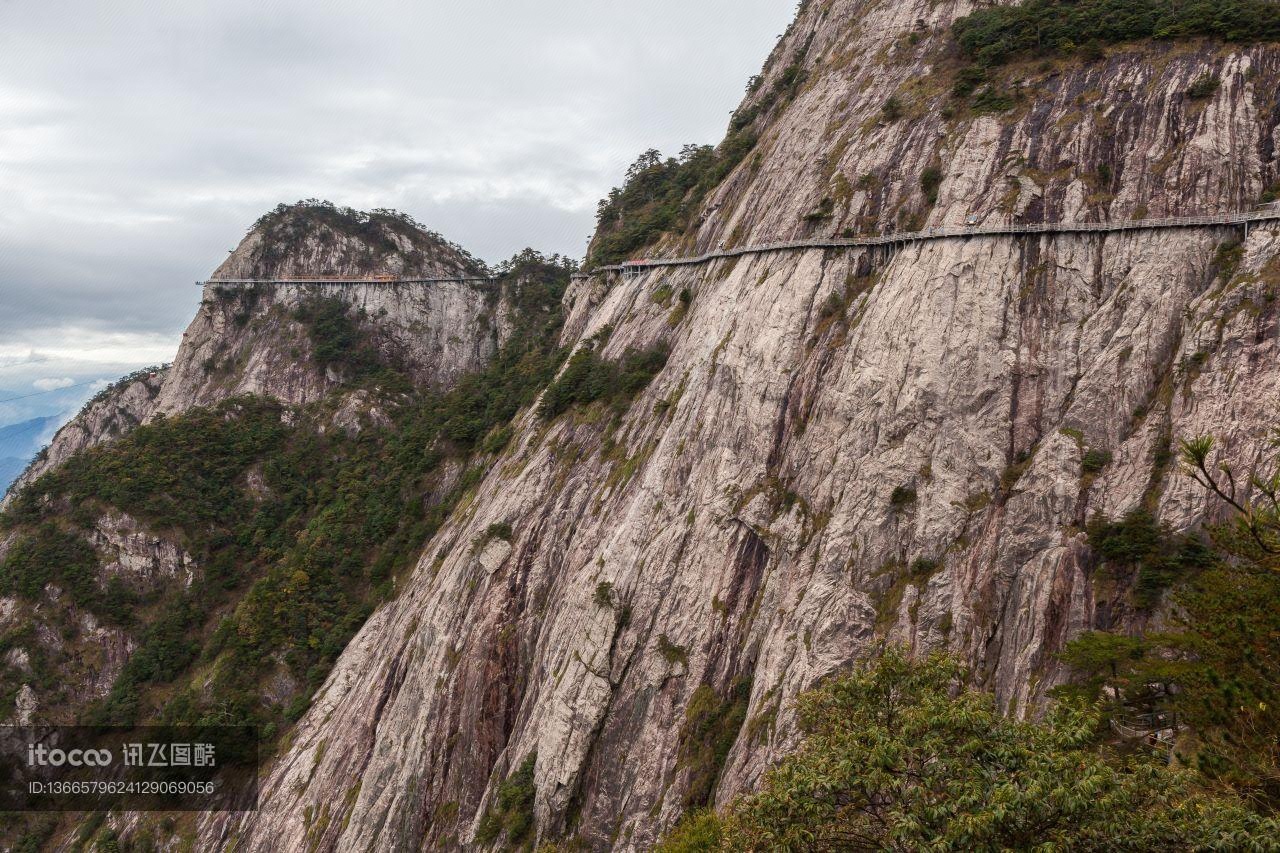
588 377
511 815
660 196
1146 556
180 475
1210 678
174 473
711 726
54 555
996 35
338 343
376 236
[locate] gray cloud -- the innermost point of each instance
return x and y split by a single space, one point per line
138 140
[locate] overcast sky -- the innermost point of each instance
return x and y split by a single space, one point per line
139 140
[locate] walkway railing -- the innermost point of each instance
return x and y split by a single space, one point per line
901 238
239 282
952 232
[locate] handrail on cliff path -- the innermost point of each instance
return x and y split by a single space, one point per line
949 232
345 281
892 239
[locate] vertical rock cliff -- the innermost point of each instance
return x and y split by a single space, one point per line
844 448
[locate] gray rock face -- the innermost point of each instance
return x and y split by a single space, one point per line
741 512
140 558
249 341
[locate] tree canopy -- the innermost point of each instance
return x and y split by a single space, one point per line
1215 669
899 755
995 35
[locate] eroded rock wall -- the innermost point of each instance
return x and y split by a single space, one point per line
735 532
749 526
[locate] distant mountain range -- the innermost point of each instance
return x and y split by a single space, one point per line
19 443
10 468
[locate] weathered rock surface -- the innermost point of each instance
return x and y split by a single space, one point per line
140 558
313 239
740 512
90 654
249 342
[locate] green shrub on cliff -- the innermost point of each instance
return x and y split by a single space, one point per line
930 182
659 196
1214 669
903 497
511 815
588 378
996 35
1214 665
711 726
1146 556
337 341
1204 87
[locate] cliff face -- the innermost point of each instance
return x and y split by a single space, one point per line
1105 139
734 536
251 339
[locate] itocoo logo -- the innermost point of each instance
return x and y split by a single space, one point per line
39 755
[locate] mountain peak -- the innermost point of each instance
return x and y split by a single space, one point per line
318 238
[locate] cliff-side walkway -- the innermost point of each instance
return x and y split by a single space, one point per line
903 238
896 239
